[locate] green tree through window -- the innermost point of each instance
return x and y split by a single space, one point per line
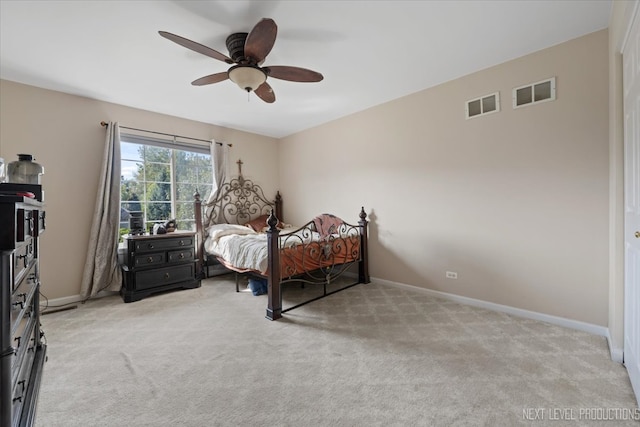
160 181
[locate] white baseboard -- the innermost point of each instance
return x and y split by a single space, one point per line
60 301
56 302
555 320
617 354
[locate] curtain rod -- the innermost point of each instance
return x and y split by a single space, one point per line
166 134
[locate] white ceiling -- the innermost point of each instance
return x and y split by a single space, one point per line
369 52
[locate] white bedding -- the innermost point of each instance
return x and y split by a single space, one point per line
245 248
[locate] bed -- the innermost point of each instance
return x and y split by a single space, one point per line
243 231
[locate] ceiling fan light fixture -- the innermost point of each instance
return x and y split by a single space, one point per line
247 77
248 52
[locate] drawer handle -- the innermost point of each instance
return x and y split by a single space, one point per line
17 339
23 297
181 242
181 256
21 383
24 259
150 245
150 259
166 276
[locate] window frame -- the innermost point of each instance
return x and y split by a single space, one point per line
469 114
533 93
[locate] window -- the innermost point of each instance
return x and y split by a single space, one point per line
534 93
483 105
159 179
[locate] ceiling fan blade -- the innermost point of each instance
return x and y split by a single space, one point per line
260 40
265 93
293 74
210 79
196 47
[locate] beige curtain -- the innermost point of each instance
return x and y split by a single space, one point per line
219 163
101 269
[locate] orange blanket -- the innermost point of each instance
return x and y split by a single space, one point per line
326 253
296 260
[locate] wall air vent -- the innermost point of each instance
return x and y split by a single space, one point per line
534 93
482 106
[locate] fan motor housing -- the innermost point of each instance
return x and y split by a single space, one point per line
235 45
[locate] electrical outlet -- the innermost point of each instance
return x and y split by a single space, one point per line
452 275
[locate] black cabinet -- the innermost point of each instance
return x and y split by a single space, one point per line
22 349
157 263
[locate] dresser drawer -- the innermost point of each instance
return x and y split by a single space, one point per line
154 245
23 374
164 276
22 339
23 259
23 283
180 256
149 259
41 222
25 222
22 298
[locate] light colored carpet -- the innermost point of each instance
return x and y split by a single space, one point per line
372 355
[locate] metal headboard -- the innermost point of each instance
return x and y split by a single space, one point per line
238 201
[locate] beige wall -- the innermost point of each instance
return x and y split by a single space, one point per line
64 135
515 202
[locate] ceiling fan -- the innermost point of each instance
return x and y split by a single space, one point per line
248 51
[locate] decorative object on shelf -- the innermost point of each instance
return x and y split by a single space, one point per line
170 225
136 223
159 229
24 170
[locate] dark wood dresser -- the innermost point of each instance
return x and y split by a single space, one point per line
155 263
23 351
